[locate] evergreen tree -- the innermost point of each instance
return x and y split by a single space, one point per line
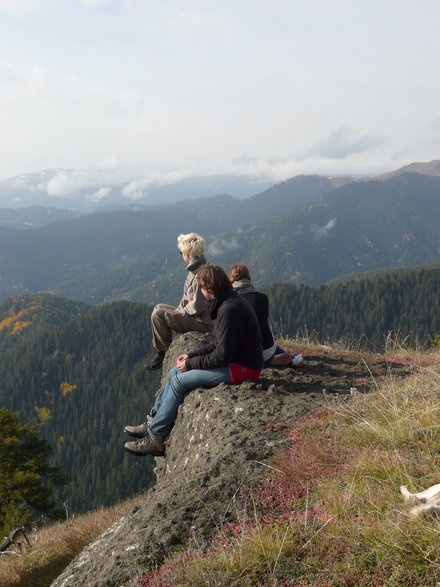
26 477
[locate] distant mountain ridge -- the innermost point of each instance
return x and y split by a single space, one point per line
34 216
90 190
359 227
422 168
308 229
38 259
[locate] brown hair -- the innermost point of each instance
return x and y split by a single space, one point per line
214 279
238 271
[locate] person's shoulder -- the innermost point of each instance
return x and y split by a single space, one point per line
260 295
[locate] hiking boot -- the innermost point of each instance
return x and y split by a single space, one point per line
155 362
150 445
281 359
139 431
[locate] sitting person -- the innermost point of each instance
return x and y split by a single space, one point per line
191 313
241 282
234 355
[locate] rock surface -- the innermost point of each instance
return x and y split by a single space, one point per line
219 446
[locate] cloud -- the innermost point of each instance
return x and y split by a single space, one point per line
244 160
8 74
99 194
93 3
342 143
16 6
135 190
109 162
322 231
66 182
220 246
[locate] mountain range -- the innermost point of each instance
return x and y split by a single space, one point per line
357 227
308 229
91 190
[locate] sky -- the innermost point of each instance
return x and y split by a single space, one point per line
166 89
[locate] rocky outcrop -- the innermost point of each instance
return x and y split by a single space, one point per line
219 446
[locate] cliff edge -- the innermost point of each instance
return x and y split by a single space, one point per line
219 447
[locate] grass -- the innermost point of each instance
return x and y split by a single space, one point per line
331 513
54 546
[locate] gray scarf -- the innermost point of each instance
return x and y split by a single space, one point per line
195 263
243 286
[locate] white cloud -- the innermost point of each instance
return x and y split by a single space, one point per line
135 190
343 142
109 162
220 246
322 231
94 3
99 195
8 74
199 88
17 6
66 182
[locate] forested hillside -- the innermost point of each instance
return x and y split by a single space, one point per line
33 216
85 366
35 260
361 226
24 316
88 374
82 247
362 311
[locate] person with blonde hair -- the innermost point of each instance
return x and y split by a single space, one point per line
273 354
192 311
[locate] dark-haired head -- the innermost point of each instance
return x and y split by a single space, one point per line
214 279
238 272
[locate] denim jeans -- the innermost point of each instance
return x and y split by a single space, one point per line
178 384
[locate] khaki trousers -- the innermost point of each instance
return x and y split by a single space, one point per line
165 320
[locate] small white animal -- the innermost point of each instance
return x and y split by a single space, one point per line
428 500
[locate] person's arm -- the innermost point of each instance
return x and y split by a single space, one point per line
203 350
227 339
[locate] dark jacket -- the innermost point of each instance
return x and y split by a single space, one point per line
260 304
237 336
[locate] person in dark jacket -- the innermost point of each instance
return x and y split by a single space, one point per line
235 354
273 354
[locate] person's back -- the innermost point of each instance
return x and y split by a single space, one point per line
260 304
241 282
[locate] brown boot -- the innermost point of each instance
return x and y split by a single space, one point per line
150 445
139 431
155 362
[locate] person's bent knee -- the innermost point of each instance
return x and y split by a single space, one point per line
178 386
160 309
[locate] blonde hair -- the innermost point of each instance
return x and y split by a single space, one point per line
191 244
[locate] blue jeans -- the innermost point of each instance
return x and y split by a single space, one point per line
178 384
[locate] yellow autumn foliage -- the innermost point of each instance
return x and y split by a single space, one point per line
15 320
66 388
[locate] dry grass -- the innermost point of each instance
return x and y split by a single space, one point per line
55 545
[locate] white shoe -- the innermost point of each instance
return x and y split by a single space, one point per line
297 360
